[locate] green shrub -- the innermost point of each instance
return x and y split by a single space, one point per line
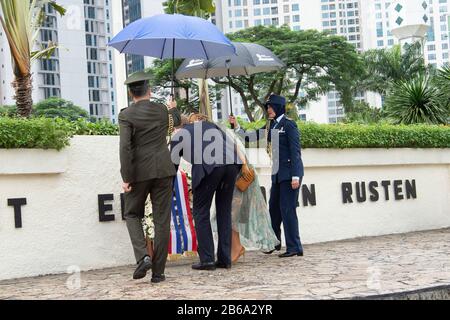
44 133
59 108
47 133
342 136
35 133
100 128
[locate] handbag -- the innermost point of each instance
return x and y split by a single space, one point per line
247 175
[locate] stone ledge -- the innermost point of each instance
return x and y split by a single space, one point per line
32 161
370 157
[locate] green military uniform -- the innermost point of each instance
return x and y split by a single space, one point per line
146 164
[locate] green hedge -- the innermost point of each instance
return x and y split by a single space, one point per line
46 133
374 136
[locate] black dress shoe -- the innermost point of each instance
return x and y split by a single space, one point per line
157 278
142 268
277 248
223 265
204 266
291 254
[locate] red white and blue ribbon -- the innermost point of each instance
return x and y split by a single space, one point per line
182 232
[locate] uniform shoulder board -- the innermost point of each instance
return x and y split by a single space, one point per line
289 119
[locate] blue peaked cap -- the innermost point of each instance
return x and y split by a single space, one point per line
278 104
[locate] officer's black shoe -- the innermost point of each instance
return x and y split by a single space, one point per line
144 265
223 265
291 254
204 266
157 278
277 248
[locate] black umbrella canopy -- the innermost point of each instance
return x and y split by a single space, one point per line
250 58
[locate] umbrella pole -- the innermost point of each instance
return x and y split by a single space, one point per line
231 101
172 95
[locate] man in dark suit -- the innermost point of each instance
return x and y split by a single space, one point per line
146 168
215 166
283 139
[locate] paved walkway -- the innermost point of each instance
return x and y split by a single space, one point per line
345 269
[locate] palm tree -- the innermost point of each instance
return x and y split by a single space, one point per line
416 101
202 9
22 21
387 66
442 82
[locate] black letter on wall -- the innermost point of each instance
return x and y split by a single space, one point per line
17 204
386 184
398 190
103 208
309 197
361 192
410 187
374 192
347 191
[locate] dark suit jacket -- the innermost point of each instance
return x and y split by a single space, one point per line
194 141
144 153
289 160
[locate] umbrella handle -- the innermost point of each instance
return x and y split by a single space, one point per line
173 69
231 101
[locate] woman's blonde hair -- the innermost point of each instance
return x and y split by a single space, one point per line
197 116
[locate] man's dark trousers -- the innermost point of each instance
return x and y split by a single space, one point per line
283 204
161 197
220 181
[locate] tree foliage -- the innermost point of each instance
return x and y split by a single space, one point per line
198 8
316 63
21 22
384 67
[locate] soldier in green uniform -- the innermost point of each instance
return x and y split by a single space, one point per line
146 168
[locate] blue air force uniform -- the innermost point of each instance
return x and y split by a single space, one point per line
284 138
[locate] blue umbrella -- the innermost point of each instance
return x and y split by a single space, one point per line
173 36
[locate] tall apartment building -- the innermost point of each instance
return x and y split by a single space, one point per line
364 23
378 26
126 12
234 15
81 69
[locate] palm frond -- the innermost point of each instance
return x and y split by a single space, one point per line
416 101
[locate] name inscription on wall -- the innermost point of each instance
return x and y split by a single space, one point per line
351 192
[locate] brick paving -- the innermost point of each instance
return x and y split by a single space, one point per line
336 270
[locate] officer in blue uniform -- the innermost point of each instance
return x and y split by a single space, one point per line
287 174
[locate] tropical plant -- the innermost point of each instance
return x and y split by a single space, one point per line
383 67
59 108
198 8
8 111
51 108
442 82
316 63
416 101
363 113
21 21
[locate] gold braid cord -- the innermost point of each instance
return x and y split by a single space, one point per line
269 144
171 127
